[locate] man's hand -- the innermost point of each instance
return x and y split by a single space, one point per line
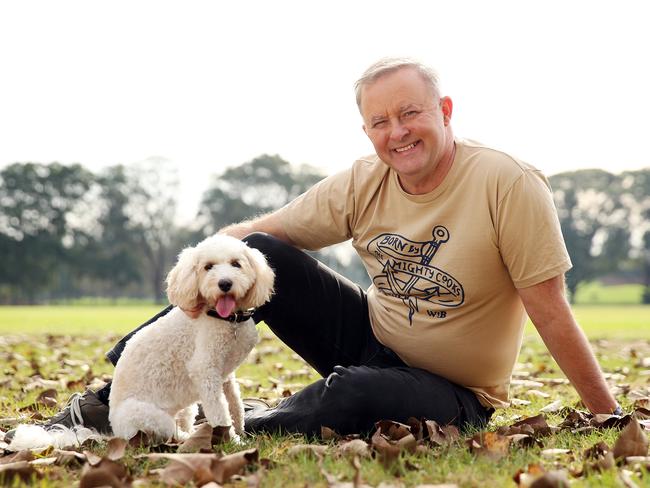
549 310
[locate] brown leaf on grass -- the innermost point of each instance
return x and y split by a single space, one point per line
641 413
328 434
524 440
551 479
315 450
552 407
575 419
139 440
524 478
200 440
93 459
204 467
607 421
115 448
47 398
490 444
106 473
21 470
232 464
355 447
66 458
387 452
555 452
643 402
531 425
17 457
441 436
393 431
631 442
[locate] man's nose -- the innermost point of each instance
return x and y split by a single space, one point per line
398 131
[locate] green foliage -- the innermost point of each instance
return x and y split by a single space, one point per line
601 215
259 186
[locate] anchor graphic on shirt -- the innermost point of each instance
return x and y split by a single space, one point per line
407 272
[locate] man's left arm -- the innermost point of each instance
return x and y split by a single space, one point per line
551 314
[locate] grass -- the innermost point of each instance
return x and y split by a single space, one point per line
598 321
66 345
595 293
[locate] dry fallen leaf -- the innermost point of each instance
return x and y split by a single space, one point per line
490 444
631 442
551 479
202 467
310 449
47 398
355 447
106 473
115 448
21 470
200 440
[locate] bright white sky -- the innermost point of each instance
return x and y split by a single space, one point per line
209 84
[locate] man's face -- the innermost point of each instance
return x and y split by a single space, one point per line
407 124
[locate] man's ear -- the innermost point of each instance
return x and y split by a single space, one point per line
183 280
447 107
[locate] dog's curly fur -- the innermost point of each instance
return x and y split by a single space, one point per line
177 361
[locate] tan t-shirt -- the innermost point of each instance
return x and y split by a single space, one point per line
445 265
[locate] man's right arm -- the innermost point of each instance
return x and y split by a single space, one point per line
269 223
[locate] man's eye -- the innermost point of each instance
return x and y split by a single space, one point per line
379 123
208 266
235 264
410 113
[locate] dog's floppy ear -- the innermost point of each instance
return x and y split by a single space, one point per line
183 280
262 288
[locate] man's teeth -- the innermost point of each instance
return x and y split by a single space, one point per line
405 148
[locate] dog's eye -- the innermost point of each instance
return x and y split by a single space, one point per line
235 264
208 267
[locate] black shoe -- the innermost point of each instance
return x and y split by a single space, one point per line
82 410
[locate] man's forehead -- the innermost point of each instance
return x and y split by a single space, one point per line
395 91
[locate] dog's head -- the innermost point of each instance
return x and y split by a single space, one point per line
222 272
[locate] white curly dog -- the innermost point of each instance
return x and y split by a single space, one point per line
169 366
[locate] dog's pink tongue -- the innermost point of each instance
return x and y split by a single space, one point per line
225 305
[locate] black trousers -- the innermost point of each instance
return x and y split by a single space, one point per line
323 317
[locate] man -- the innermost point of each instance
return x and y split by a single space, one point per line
460 240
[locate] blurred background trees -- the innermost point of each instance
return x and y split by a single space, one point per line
66 232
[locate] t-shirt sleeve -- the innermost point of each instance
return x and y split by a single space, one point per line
528 231
322 215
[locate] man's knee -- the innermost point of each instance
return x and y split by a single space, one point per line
354 388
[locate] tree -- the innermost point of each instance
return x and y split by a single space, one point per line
594 223
151 209
38 238
261 185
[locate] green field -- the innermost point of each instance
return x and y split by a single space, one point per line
63 347
598 321
595 293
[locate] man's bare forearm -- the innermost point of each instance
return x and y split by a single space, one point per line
268 223
567 343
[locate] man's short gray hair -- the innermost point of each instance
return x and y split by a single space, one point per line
389 65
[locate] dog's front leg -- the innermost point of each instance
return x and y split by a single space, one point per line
235 405
209 384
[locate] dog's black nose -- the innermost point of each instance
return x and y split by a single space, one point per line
225 285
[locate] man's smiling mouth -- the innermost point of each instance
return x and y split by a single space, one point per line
406 148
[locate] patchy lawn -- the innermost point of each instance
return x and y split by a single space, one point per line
544 434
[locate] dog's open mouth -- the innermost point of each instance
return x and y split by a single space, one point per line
225 305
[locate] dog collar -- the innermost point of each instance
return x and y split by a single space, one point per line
239 316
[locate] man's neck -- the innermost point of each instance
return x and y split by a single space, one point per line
439 174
